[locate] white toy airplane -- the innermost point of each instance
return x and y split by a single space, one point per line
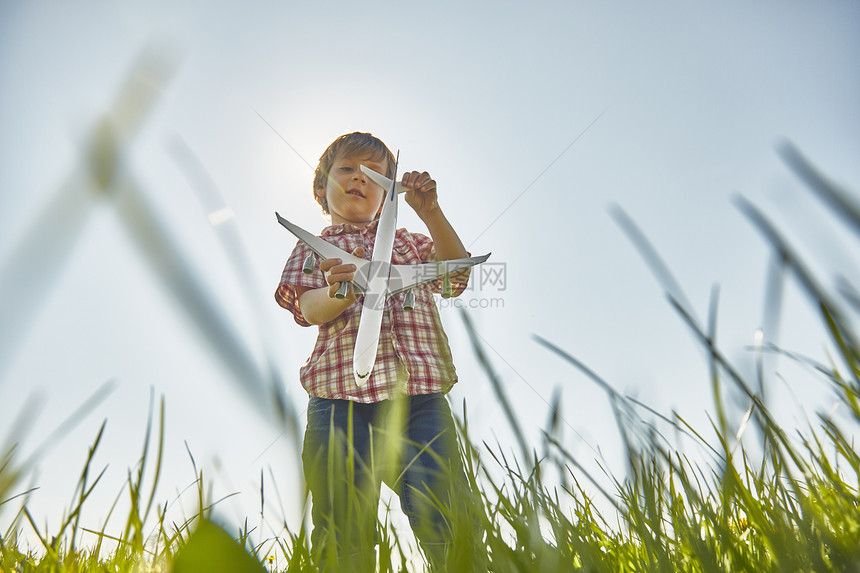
377 278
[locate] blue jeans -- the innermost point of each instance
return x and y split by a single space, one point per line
410 444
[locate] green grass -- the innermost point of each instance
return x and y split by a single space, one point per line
792 505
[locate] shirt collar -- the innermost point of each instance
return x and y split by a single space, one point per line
346 229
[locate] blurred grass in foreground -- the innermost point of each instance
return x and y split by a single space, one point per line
793 506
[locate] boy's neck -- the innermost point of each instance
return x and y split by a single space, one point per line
335 220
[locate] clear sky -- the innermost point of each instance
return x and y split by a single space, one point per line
534 118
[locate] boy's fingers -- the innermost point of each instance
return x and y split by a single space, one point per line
419 181
415 179
340 273
327 264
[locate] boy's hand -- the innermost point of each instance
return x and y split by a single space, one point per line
421 194
336 272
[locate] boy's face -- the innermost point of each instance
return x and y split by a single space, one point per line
351 196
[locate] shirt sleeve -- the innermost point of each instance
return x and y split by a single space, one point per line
427 253
426 248
294 276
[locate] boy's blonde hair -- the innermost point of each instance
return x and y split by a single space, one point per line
349 145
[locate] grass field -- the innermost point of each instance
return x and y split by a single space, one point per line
792 505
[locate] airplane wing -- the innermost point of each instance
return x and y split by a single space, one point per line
382 180
326 250
404 277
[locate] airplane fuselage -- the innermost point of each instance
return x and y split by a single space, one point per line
370 323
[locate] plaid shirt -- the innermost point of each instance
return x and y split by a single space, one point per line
413 356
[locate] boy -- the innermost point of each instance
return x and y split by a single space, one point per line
354 436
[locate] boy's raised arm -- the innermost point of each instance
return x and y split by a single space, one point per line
422 197
445 239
